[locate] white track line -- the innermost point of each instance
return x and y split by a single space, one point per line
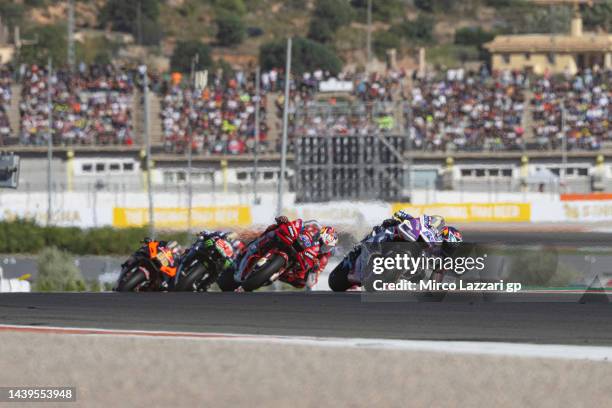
554 351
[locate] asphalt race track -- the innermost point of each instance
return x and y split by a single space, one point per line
533 318
545 318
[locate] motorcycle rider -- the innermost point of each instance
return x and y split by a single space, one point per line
228 236
233 248
388 231
307 241
175 259
313 259
433 222
393 230
165 257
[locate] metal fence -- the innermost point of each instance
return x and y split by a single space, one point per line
356 167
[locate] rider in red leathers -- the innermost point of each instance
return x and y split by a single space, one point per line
318 248
308 243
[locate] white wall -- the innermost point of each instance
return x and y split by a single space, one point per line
96 209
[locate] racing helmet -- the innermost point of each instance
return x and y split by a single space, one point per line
174 247
328 238
238 246
402 215
436 222
451 234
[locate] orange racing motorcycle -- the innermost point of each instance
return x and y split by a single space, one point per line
150 268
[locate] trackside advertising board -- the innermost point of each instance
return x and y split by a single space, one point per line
584 207
177 218
472 212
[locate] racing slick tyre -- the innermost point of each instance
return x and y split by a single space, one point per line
132 281
338 280
259 276
226 281
191 280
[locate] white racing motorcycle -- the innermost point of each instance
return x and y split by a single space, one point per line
354 271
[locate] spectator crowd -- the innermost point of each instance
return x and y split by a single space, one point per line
5 104
91 106
450 110
220 118
581 103
468 111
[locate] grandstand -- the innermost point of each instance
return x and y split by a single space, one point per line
468 129
486 122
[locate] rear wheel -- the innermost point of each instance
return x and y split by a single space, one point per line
260 275
132 281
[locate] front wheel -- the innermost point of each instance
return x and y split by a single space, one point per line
192 280
226 281
260 275
132 281
338 279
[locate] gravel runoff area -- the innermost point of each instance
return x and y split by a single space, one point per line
118 371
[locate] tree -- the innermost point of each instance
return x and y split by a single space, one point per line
233 6
335 12
150 32
598 16
98 50
320 31
51 43
425 5
35 3
327 17
383 41
382 10
230 29
422 28
472 36
418 30
307 55
521 17
11 12
184 52
122 15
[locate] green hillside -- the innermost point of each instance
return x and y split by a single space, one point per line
454 31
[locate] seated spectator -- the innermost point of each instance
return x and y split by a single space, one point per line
90 106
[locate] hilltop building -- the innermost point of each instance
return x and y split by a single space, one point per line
554 53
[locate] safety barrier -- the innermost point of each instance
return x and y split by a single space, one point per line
222 211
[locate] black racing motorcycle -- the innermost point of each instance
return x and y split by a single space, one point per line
203 262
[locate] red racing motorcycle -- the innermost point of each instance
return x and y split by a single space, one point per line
280 257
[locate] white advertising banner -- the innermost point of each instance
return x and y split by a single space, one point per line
334 85
587 210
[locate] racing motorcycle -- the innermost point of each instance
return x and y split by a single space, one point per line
148 268
276 259
201 265
356 261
